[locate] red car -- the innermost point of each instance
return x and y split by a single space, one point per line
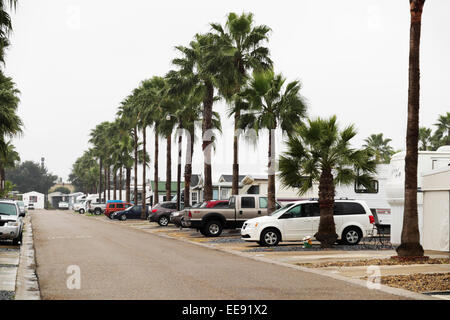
116 206
215 204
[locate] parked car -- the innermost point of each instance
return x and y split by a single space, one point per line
63 205
96 207
80 207
21 206
177 217
133 212
353 220
30 206
161 212
115 205
11 225
211 221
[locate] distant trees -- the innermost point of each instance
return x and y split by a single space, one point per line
62 190
379 147
31 176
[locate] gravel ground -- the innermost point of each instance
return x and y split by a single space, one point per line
6 295
379 262
7 249
419 282
8 265
226 240
316 247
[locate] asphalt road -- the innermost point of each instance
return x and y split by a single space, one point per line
116 262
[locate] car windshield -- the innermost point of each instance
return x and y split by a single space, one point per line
279 212
129 208
8 209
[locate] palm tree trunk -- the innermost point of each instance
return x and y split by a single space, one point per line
104 189
100 181
327 229
2 179
143 172
120 183
235 180
188 168
135 164
169 167
128 184
155 192
271 173
207 125
180 138
108 181
115 184
410 238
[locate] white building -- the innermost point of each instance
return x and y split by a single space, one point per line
36 198
436 209
395 188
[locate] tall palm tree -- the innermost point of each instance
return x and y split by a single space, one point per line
98 139
380 147
319 151
239 47
424 139
410 238
268 106
195 66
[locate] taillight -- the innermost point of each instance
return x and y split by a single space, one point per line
154 210
371 219
190 214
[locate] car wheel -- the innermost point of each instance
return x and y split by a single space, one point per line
81 211
17 240
213 228
98 211
351 236
270 237
163 221
123 217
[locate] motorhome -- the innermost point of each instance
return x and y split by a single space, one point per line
395 187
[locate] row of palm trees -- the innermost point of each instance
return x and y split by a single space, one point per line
429 140
10 123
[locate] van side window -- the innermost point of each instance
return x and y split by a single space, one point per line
248 202
311 210
349 208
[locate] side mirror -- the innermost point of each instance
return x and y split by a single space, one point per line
22 214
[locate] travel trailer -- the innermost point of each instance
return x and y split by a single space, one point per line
395 188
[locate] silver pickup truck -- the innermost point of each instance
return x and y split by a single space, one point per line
211 221
96 208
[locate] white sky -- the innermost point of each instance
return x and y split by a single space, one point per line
74 61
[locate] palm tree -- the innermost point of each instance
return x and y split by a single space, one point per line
10 124
5 25
443 129
410 238
380 147
424 139
8 159
267 107
99 137
195 66
319 151
239 47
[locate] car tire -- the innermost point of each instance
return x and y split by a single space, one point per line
351 236
123 217
18 239
81 211
98 211
163 221
213 228
270 237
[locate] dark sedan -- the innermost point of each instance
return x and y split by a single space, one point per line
161 212
133 212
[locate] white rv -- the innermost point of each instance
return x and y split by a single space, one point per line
395 188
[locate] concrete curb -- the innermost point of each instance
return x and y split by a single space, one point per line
27 285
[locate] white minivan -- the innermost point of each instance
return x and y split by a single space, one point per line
353 220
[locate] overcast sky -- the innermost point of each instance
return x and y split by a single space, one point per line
75 61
